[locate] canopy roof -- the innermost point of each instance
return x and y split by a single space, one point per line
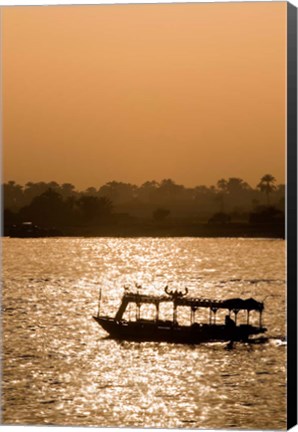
193 302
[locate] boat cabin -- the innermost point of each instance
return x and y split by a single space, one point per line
232 306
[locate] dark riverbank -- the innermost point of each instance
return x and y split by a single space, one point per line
169 210
160 230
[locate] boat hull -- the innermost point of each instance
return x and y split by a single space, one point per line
166 331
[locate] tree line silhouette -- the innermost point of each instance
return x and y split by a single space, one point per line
230 200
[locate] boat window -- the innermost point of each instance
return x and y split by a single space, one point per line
241 317
130 313
184 315
221 316
148 312
202 315
166 311
254 318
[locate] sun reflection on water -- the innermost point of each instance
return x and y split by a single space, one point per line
60 368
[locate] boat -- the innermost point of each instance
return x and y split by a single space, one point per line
171 331
30 230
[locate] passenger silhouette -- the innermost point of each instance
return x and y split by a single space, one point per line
229 322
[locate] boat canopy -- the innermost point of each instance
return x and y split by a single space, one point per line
233 304
238 303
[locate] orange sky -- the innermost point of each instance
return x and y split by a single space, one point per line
192 92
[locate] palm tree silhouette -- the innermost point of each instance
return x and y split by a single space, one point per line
222 185
267 186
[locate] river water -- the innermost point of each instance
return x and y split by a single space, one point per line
59 368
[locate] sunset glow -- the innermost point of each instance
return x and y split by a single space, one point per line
192 92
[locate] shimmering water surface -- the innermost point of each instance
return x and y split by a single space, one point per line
59 368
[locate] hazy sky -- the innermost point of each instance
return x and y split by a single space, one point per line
192 92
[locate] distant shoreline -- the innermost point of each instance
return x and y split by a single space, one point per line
230 230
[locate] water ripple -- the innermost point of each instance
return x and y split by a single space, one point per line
60 368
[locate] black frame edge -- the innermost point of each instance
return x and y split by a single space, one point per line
291 215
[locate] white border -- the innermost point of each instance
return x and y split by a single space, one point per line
98 2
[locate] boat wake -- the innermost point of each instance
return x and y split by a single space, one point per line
254 281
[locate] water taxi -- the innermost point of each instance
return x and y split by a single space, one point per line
160 330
